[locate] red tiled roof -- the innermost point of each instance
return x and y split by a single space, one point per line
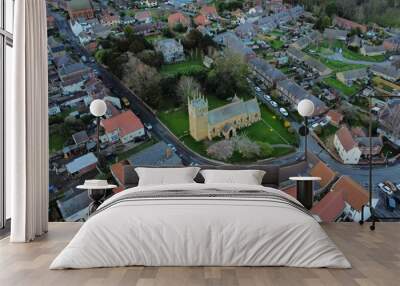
178 18
347 24
358 132
208 11
354 194
126 122
346 138
324 172
292 191
335 116
330 207
117 170
142 15
201 20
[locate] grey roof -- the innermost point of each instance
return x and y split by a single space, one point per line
335 33
155 155
305 41
299 93
387 70
364 141
296 53
317 65
266 69
80 137
72 208
374 49
354 74
167 44
72 68
232 42
233 109
79 4
81 162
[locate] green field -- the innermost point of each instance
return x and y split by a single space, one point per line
269 130
276 44
187 67
56 142
347 90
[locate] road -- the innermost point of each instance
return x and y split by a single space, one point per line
339 57
359 173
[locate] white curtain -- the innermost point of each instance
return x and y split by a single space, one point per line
27 124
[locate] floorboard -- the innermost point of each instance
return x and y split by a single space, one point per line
375 257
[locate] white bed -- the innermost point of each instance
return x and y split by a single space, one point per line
246 225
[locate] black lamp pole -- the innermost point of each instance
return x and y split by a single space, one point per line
374 217
306 131
98 137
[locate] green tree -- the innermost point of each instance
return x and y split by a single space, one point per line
228 77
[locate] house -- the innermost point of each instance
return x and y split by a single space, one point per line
82 165
265 72
171 50
201 20
80 8
307 40
149 3
246 31
74 208
296 55
235 44
368 50
330 207
210 12
335 117
109 19
346 146
316 66
159 154
56 48
266 24
364 145
54 109
385 71
80 138
354 196
124 127
334 34
389 120
73 73
143 17
392 44
293 93
351 76
349 25
147 28
354 42
178 18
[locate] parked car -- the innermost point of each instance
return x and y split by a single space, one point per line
126 102
273 103
173 148
267 97
385 189
148 126
315 125
398 187
258 89
283 111
391 186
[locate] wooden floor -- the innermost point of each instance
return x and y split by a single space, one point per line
375 257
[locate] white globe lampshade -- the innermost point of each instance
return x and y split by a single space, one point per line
305 108
98 107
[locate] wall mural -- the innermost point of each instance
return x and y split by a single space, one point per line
190 83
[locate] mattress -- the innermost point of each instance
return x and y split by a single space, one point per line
201 225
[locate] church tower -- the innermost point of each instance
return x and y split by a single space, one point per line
198 117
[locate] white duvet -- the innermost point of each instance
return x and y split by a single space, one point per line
200 231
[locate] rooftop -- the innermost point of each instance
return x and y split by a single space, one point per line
354 194
81 162
158 154
233 109
346 138
126 122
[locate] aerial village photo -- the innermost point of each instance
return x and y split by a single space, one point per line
218 82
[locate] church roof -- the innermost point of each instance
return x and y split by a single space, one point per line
233 109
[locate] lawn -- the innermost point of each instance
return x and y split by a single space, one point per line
56 141
347 90
338 66
154 38
327 131
187 67
276 44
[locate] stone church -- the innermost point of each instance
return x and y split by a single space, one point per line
222 121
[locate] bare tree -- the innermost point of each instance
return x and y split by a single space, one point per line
222 150
187 88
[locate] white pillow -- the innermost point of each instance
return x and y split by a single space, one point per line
246 177
166 176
